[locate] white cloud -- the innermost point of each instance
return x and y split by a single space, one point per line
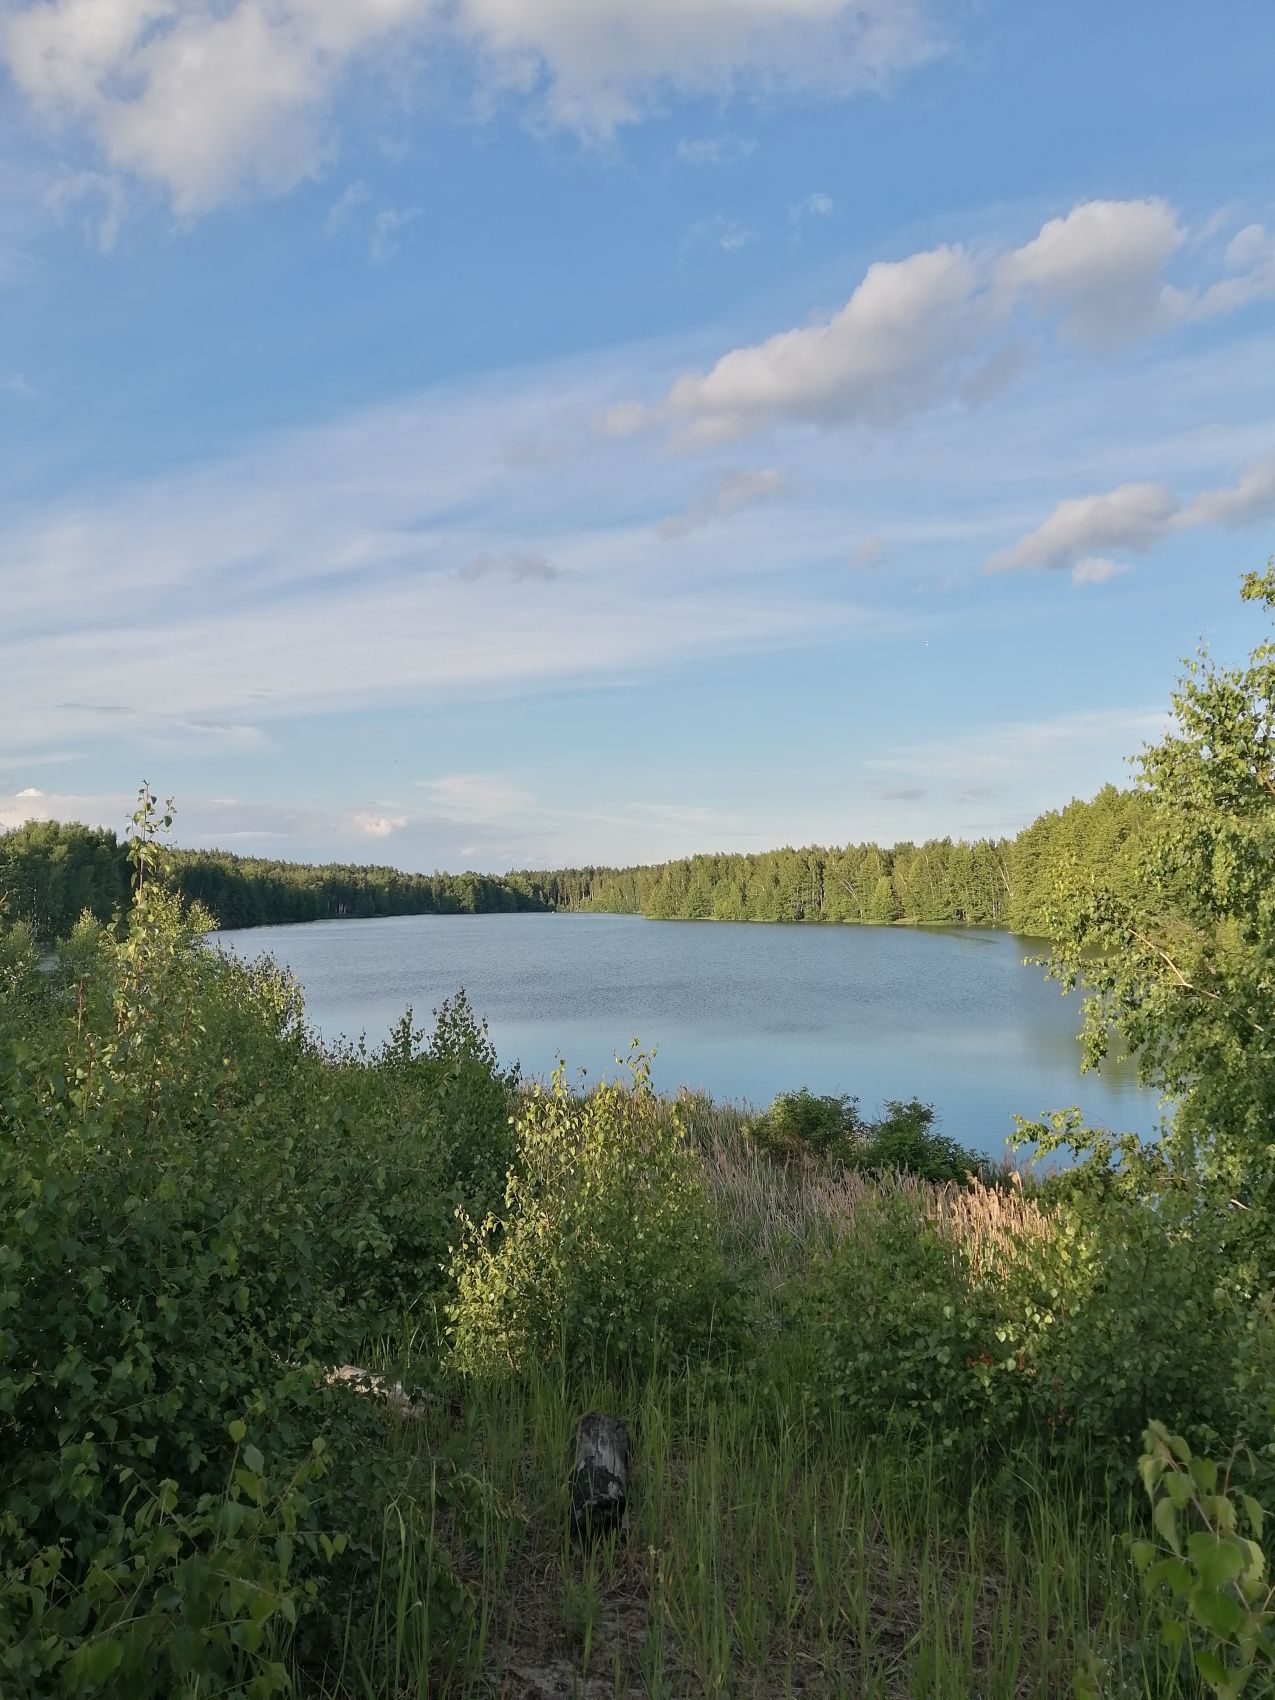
953 325
597 64
1253 498
376 826
1101 269
30 791
211 98
204 99
734 490
1097 569
1134 516
890 350
817 205
352 208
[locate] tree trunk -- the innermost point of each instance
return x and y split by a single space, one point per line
599 1481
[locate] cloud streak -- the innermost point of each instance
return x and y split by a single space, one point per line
732 494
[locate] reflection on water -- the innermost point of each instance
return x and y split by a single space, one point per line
952 1016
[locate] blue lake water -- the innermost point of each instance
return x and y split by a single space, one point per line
951 1016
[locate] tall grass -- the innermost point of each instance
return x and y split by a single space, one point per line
771 1546
768 1551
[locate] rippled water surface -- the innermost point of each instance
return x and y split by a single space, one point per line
954 1017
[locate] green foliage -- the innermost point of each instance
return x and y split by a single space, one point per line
1205 1568
988 883
1179 955
891 1307
905 1140
19 962
53 873
203 1210
603 1250
800 1124
200 1209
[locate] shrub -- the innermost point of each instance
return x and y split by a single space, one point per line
603 1249
198 1212
799 1124
905 1140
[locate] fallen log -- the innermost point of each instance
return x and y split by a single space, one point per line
600 1477
374 1385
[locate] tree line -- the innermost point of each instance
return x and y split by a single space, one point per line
51 873
990 882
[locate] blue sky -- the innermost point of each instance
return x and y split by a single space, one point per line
485 433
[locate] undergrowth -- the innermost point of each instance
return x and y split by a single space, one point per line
885 1411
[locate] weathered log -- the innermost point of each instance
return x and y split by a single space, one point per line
600 1478
369 1382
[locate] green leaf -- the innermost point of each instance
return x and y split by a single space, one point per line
1216 1611
236 1430
1211 1668
1165 1518
1256 1516
1218 1562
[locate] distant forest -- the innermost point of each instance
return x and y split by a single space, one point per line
51 873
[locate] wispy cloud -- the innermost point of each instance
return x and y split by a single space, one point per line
869 551
716 150
99 200
397 554
386 225
353 209
727 234
816 205
348 202
1097 569
516 565
1027 764
731 494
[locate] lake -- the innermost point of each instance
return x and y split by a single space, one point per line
951 1016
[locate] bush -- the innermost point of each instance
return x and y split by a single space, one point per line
604 1248
904 1140
199 1213
891 1308
799 1124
